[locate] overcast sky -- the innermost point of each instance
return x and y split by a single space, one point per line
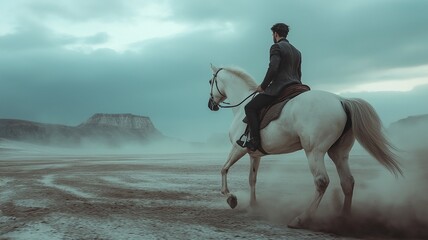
62 61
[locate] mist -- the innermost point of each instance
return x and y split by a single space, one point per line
118 146
384 206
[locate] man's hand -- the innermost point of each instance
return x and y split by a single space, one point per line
259 89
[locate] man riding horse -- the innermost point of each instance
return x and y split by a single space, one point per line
315 121
284 70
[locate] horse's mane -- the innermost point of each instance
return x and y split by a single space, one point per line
242 75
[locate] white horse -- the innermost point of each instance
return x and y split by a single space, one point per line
313 121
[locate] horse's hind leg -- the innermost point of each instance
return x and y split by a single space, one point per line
339 153
321 180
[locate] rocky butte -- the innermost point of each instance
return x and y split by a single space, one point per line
110 129
125 121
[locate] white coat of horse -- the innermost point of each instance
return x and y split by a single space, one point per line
313 121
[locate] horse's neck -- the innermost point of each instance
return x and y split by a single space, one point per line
236 93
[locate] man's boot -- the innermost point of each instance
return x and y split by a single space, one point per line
253 123
253 144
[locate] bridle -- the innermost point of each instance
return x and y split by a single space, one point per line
214 82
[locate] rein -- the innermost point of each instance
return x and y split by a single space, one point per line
236 105
214 81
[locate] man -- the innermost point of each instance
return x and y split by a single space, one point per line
284 70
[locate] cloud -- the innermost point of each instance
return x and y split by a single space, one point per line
98 38
32 36
74 11
400 79
366 37
76 58
392 106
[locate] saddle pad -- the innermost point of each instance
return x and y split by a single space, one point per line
273 111
269 114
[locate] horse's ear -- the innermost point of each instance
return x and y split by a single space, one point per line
214 68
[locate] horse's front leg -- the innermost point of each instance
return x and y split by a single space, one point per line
254 167
235 154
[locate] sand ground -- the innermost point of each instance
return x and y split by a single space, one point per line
177 196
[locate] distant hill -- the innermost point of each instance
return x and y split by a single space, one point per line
411 121
410 133
110 129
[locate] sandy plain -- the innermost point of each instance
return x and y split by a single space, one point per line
177 196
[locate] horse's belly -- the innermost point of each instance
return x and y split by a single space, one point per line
276 140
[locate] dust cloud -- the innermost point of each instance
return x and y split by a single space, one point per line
118 146
384 206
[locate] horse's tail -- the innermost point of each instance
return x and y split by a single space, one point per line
367 129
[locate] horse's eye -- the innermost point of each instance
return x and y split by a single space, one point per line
210 82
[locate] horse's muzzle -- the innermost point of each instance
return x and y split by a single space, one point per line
212 105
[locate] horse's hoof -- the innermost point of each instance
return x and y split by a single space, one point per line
232 201
255 210
296 223
254 205
344 218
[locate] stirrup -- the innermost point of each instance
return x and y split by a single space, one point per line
242 143
243 140
247 144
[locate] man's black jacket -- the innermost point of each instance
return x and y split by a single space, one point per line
284 68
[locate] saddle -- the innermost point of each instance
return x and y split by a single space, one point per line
273 111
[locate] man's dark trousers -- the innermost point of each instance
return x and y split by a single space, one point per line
252 111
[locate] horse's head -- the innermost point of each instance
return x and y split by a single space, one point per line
230 83
217 94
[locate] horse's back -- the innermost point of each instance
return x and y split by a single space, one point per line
315 101
317 109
